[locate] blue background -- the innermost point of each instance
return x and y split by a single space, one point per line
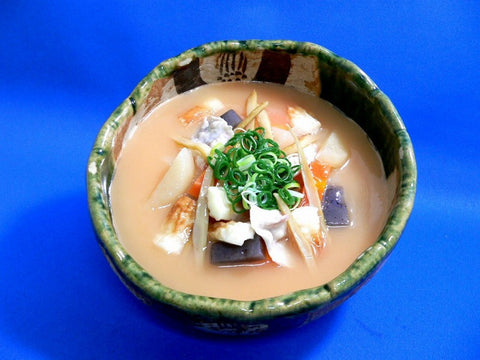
65 66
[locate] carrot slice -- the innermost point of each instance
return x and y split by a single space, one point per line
197 185
195 114
321 174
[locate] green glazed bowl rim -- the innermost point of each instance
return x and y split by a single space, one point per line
301 301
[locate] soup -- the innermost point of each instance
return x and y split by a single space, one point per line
150 201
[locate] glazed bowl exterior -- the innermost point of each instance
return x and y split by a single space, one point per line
309 68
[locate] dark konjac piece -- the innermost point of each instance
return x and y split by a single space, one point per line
334 207
232 118
251 251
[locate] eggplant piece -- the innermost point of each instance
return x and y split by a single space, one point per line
252 251
232 118
334 207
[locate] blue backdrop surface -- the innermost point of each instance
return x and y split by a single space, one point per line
64 67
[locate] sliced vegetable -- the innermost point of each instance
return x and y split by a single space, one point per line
197 184
304 142
200 228
250 105
335 207
303 244
201 148
310 189
262 117
320 173
264 121
252 251
333 152
176 180
252 115
199 112
252 173
196 113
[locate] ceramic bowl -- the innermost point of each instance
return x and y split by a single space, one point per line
309 68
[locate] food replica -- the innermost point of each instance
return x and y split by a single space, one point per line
246 191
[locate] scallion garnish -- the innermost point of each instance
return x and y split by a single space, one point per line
252 168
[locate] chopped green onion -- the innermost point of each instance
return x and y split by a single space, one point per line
252 169
245 162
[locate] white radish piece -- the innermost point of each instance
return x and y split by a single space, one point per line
176 180
333 152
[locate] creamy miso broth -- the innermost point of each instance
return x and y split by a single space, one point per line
148 154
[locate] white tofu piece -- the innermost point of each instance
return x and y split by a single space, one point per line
302 122
218 205
232 232
307 219
333 152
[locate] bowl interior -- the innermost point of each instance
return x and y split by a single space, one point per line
307 67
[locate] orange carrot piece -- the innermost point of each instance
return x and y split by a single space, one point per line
304 201
320 170
195 114
197 184
321 174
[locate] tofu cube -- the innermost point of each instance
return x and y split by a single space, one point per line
218 205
